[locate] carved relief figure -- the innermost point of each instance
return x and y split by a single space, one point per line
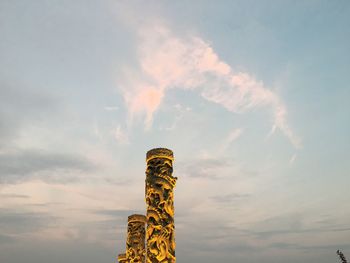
122 258
135 243
160 206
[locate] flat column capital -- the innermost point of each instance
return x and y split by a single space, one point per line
159 153
137 218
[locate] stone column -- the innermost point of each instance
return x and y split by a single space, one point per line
160 183
135 241
122 258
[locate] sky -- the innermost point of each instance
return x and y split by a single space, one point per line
251 96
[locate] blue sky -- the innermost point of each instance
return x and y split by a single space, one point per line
252 97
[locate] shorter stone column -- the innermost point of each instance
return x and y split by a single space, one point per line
135 243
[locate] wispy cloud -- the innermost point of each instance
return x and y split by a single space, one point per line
292 159
111 108
17 166
121 136
179 115
5 239
210 168
168 61
22 105
229 198
12 222
231 137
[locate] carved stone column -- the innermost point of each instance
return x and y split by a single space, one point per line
135 242
160 183
122 258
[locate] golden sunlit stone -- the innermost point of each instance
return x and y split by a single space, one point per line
159 153
160 183
160 232
135 242
122 258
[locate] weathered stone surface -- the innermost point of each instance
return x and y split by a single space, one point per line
135 243
160 183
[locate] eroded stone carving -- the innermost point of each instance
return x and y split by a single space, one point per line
160 183
160 233
122 258
135 243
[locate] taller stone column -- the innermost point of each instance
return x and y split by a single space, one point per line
160 183
135 240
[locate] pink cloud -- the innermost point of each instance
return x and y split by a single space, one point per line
146 99
168 61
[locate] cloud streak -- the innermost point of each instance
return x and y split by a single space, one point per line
167 61
20 106
12 222
23 165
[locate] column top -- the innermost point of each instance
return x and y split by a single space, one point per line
159 153
137 218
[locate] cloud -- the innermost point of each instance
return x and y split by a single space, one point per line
288 224
20 106
13 196
167 61
6 239
229 198
23 108
180 112
121 136
210 168
25 164
292 159
234 135
206 236
115 213
231 137
111 108
13 223
334 247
